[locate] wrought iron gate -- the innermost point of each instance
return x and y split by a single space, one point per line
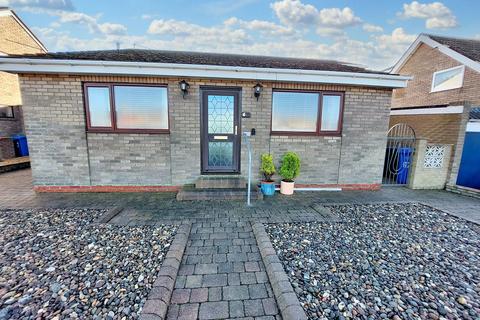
398 155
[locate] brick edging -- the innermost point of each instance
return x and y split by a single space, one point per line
159 297
287 300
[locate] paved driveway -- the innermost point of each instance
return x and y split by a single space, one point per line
16 192
222 273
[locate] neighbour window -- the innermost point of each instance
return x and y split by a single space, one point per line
125 108
309 113
6 112
448 79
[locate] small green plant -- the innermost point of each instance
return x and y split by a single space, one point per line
290 167
267 168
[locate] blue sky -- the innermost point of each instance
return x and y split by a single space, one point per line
367 32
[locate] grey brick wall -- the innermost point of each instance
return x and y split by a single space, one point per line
319 157
365 123
129 159
55 127
55 124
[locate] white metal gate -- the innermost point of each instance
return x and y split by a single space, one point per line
398 155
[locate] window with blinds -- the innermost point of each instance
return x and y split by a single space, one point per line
306 113
126 107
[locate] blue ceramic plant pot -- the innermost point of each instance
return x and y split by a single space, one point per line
268 188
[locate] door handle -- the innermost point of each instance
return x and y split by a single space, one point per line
236 129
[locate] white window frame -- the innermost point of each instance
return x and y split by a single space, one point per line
432 88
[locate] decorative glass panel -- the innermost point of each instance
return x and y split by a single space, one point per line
6 112
330 113
434 156
220 114
220 154
99 106
294 111
448 79
141 107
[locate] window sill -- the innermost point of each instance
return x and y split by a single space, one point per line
307 134
436 91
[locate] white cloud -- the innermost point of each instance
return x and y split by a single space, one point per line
266 28
327 21
197 34
435 14
112 28
395 44
44 4
294 12
336 17
371 28
89 21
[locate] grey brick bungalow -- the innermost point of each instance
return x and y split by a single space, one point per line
119 121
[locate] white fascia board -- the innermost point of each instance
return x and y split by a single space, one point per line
51 66
427 110
436 45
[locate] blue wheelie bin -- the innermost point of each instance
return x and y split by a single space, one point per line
20 144
404 155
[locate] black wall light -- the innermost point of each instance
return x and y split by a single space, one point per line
257 89
184 87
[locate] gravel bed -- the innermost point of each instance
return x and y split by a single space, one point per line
390 261
56 264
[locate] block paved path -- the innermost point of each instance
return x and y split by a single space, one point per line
222 275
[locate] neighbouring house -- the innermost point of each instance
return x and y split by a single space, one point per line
438 101
118 120
15 38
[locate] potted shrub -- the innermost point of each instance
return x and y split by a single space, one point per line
268 170
289 170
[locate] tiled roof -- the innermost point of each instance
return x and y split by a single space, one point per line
215 59
470 48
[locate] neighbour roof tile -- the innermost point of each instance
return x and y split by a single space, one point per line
202 58
470 48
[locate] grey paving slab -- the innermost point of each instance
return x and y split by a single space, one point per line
211 275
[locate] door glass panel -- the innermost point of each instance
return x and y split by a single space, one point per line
220 114
220 154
